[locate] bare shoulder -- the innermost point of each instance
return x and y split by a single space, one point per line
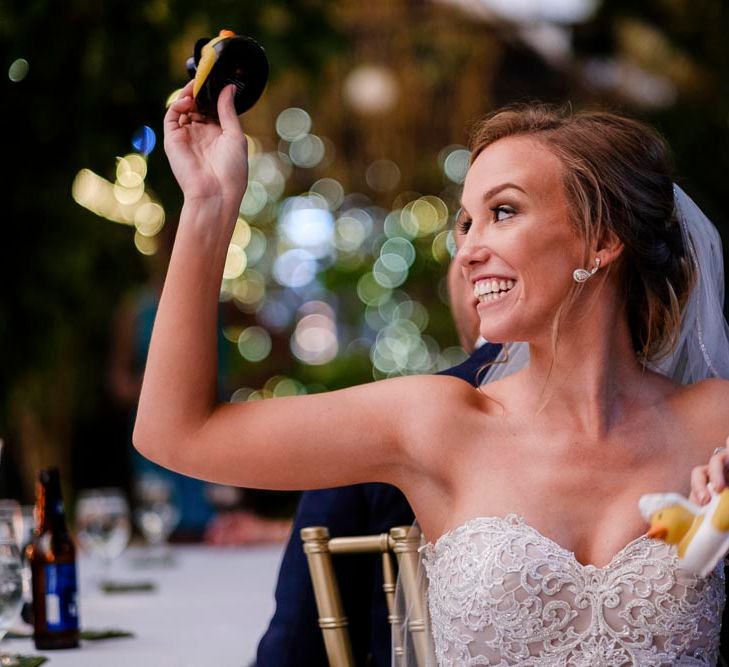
445 387
713 391
437 391
707 404
444 408
433 399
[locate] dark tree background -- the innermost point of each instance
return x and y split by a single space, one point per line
98 71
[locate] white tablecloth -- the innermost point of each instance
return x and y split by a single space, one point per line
208 610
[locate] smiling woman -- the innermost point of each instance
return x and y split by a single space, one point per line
618 189
534 480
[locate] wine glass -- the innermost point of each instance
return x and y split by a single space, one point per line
11 510
11 580
103 527
23 522
157 513
24 535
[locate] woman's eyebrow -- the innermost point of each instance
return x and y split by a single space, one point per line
496 189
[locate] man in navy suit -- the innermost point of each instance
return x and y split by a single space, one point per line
293 638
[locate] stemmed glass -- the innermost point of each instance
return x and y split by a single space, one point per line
157 513
103 527
23 521
11 581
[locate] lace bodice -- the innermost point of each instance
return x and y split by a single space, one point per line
500 593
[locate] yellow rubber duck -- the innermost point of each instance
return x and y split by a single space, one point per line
208 57
700 533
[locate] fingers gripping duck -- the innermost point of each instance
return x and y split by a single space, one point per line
699 532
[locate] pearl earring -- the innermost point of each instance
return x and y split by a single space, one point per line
581 275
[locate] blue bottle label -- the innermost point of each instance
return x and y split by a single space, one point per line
61 597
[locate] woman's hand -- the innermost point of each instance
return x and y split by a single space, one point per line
209 159
715 473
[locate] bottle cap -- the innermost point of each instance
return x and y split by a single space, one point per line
49 475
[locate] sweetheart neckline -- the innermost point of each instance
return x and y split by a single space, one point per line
514 519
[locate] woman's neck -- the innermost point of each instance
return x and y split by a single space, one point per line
591 376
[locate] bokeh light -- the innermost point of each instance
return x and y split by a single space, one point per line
383 175
133 167
306 222
396 250
247 290
390 273
149 219
371 89
18 70
276 314
254 343
314 340
172 97
331 190
427 213
241 395
241 233
370 291
295 268
113 201
146 245
307 151
455 164
451 356
235 262
293 123
255 199
286 386
399 350
128 195
144 140
269 171
530 12
401 223
350 233
256 247
280 385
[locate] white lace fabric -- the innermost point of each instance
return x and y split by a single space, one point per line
501 593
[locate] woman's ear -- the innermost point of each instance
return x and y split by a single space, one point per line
610 249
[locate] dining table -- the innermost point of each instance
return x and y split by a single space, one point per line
192 606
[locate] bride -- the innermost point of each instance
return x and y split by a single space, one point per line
577 244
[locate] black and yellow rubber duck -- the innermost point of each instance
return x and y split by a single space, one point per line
227 58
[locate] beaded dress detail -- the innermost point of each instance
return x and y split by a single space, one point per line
501 593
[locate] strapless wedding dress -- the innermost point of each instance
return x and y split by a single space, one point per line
501 593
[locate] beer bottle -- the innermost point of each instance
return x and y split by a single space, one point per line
52 557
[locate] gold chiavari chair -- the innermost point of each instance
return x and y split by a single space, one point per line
400 541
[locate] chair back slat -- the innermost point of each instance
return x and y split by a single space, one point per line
406 544
400 541
332 621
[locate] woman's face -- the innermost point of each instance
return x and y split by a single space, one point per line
520 247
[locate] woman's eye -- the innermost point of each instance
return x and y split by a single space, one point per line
463 225
502 213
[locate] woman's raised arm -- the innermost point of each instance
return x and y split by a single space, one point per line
324 440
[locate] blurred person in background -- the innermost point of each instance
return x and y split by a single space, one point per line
206 511
293 637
